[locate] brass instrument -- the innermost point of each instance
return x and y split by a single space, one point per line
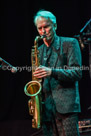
33 88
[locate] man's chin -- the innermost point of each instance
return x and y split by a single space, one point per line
48 38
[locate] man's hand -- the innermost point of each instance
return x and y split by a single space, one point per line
42 71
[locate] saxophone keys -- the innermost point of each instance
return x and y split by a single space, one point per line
31 107
33 123
31 111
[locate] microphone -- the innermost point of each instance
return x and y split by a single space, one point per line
6 66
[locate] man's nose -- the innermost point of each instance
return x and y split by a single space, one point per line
43 30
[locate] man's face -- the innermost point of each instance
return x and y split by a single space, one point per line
45 27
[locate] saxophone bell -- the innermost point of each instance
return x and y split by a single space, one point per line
33 89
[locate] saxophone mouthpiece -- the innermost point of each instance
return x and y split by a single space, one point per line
43 36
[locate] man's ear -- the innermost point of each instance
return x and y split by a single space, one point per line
55 25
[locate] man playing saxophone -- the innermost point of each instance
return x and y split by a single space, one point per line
60 62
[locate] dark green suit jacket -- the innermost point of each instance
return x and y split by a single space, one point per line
65 61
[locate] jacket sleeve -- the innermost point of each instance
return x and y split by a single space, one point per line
72 71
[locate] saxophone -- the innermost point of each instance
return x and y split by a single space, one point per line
33 88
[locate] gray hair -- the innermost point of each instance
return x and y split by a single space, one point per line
45 14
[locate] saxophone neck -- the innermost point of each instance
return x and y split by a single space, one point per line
38 38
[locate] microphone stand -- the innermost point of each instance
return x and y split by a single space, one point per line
7 65
85 27
84 38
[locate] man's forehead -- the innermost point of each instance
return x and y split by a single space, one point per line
42 20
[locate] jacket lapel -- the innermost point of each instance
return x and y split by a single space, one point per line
57 55
55 52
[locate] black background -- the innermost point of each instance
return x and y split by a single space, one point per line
17 38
